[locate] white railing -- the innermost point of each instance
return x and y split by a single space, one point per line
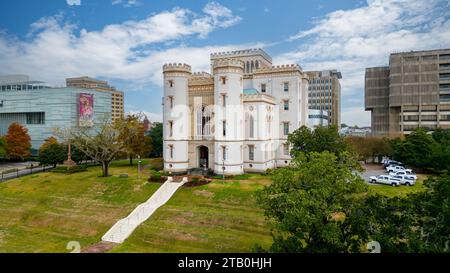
121 230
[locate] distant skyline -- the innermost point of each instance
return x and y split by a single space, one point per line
126 42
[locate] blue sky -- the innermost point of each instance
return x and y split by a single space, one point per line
127 41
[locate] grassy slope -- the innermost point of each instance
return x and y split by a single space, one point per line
43 212
212 218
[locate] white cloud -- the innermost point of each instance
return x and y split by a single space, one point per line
351 40
355 116
153 117
127 3
73 2
130 51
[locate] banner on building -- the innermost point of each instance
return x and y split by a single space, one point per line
86 110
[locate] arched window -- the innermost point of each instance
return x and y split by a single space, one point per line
203 121
251 126
248 67
257 64
253 66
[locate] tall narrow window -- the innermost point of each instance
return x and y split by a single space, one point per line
224 127
286 149
203 121
171 151
224 153
286 105
252 126
171 102
224 100
263 88
170 128
286 87
170 83
224 80
251 152
286 128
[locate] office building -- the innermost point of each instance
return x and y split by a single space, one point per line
324 93
117 96
413 91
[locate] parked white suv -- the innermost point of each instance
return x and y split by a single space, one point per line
394 168
404 172
385 179
406 180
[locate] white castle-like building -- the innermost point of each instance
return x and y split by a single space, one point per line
234 120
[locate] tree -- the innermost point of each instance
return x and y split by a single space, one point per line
370 147
18 142
156 134
416 150
417 223
312 205
2 147
132 134
304 140
101 143
52 152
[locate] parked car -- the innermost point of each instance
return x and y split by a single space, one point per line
404 172
385 179
406 180
389 162
396 168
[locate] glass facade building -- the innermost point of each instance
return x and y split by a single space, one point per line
44 109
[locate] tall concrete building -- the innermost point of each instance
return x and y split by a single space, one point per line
413 91
324 93
117 111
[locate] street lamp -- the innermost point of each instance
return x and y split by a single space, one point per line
139 166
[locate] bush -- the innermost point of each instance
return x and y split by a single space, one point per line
69 170
156 176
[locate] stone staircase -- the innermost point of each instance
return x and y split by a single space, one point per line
124 227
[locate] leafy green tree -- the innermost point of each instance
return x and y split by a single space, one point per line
417 149
132 134
370 147
156 134
52 152
77 155
311 206
321 139
419 222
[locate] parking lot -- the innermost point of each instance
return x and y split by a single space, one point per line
372 170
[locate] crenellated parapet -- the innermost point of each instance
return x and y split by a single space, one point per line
228 63
179 68
289 68
201 78
241 53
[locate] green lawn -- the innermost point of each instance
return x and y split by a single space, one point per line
390 191
212 218
43 212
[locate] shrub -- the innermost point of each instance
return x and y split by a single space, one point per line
69 170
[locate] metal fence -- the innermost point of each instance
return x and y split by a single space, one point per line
15 173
